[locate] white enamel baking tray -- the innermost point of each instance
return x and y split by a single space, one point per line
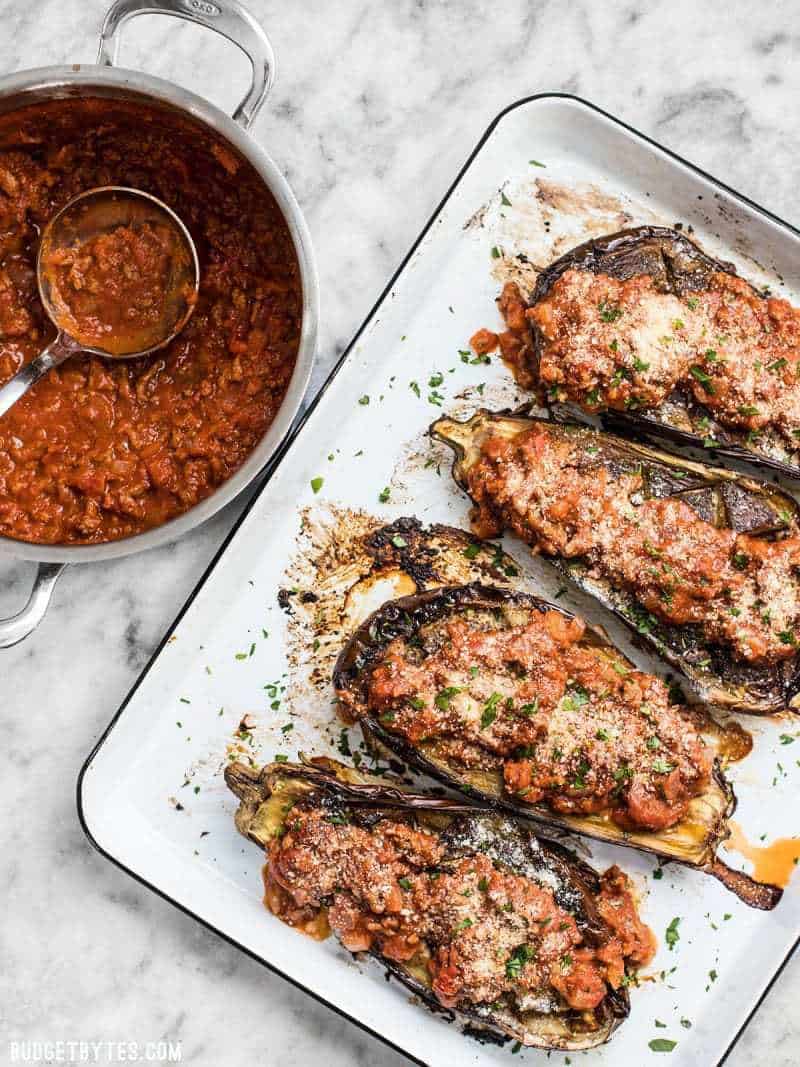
151 795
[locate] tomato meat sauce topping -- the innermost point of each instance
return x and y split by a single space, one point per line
566 722
482 931
741 590
605 343
103 449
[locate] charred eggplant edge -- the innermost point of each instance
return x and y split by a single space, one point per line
347 786
710 685
364 649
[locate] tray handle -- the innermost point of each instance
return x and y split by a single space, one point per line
227 17
19 626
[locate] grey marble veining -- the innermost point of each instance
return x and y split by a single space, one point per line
376 107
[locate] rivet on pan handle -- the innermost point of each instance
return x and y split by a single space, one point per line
25 622
227 17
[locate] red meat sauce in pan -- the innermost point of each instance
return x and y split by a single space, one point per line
482 931
99 449
568 724
605 343
742 590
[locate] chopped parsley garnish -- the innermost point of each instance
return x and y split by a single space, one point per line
740 560
316 484
471 551
608 312
483 884
579 781
496 252
463 925
661 1044
435 380
404 883
364 400
639 364
384 494
786 739
399 542
672 937
529 709
536 163
490 710
576 697
705 380
661 766
504 199
653 743
414 386
444 697
787 637
603 735
517 960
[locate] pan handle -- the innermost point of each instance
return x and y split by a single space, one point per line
18 627
227 17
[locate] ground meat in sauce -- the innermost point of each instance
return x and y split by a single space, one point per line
567 723
112 290
624 345
483 932
742 590
99 450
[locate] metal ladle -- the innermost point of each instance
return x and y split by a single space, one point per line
92 213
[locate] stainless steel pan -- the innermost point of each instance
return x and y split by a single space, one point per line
233 21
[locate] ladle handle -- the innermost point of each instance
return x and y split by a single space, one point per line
17 628
227 17
56 352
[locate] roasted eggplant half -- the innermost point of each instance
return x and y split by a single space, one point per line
517 703
646 328
515 937
701 563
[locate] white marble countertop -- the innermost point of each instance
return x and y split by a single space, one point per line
375 109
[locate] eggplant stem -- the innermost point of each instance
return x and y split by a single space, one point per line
759 895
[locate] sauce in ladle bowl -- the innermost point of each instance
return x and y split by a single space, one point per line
118 275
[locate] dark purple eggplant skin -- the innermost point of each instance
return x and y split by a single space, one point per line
674 262
403 618
677 265
462 828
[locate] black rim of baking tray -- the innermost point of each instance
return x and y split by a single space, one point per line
270 469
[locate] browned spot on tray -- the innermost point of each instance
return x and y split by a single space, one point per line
578 199
543 218
354 563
